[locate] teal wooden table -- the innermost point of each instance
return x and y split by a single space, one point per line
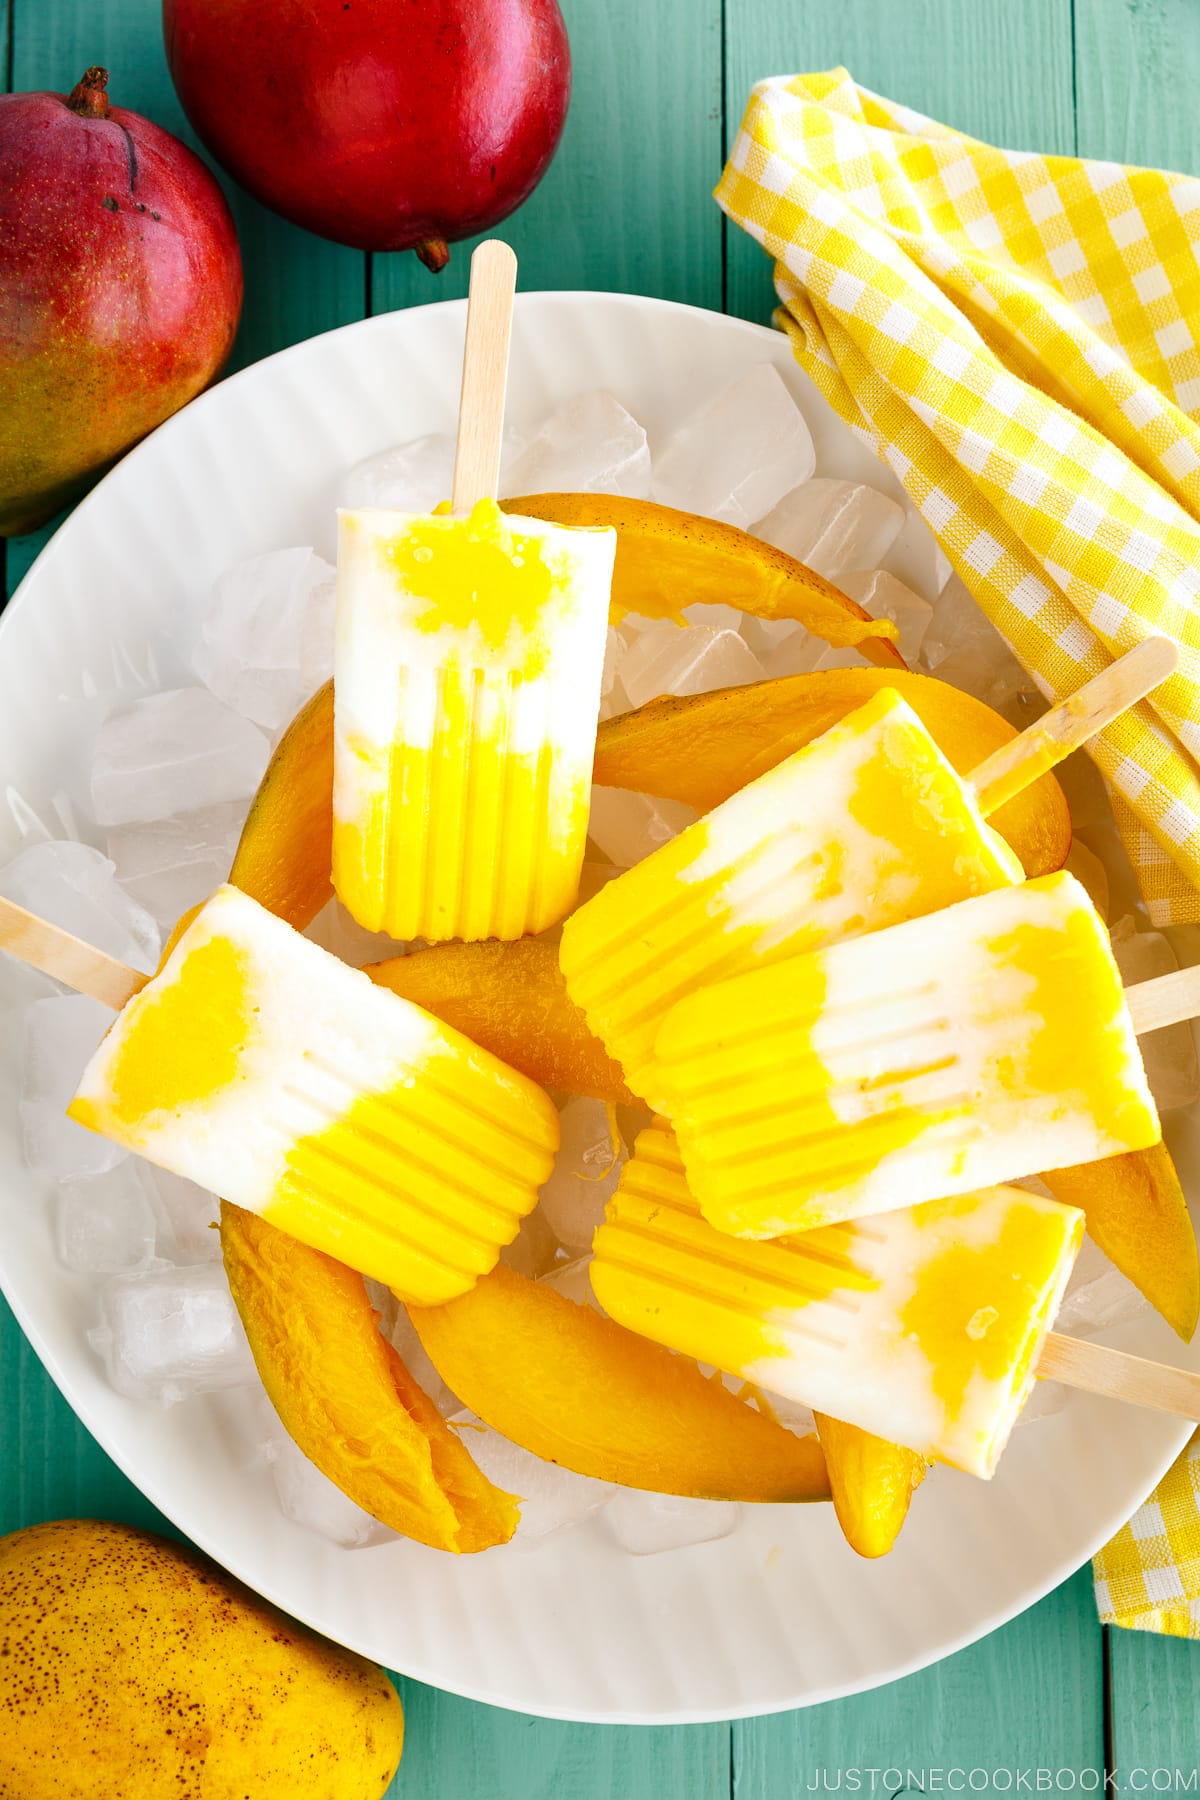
659 89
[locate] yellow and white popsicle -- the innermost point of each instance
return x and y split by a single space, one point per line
865 827
468 658
468 661
266 1070
923 1326
981 1044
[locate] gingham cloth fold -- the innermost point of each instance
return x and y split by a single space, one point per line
1148 1577
1016 337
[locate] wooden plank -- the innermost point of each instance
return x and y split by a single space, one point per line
296 285
53 1468
1028 1697
1136 72
1153 1724
455 1749
998 69
1137 68
626 203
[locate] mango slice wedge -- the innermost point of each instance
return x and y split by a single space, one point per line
873 1482
284 855
511 999
580 1390
1136 1214
668 559
347 1399
702 748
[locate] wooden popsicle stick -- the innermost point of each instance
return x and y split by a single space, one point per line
1066 726
1166 1000
68 959
1098 1369
485 375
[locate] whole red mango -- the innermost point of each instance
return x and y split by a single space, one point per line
386 124
120 289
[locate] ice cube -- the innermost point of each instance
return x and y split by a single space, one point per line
916 558
796 654
335 931
717 616
626 826
1098 1296
551 1497
585 1174
687 659
1170 1053
647 1524
187 1216
308 1497
167 1333
766 635
266 635
74 887
413 477
841 659
592 445
169 865
884 597
174 752
738 454
833 525
60 1038
534 1249
401 1334
1083 863
593 876
573 1281
612 693
793 1415
104 1224
963 647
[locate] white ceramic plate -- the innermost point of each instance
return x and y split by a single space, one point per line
780 1614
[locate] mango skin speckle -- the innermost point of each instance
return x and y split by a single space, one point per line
132 1666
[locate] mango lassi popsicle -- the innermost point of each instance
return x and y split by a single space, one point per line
865 827
923 1326
468 659
977 1045
263 1068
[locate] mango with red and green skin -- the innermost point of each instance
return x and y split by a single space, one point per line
120 289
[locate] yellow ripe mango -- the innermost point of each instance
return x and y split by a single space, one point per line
667 558
1137 1214
582 1391
511 999
136 1668
703 747
873 1482
347 1399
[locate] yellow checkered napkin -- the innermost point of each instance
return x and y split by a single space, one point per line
1013 335
1149 1576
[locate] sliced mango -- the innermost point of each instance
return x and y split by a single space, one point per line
668 559
580 1390
873 1482
704 747
1136 1214
511 999
346 1398
284 854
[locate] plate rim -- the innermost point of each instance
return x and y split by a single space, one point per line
480 1691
